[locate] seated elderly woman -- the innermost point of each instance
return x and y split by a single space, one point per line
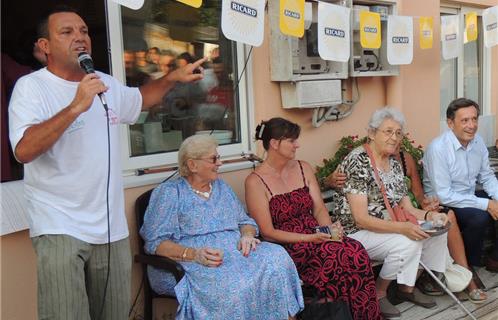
456 247
283 196
401 243
199 221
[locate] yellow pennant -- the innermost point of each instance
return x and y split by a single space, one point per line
426 32
292 17
192 3
470 27
370 33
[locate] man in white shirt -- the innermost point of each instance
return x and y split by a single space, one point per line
453 164
59 130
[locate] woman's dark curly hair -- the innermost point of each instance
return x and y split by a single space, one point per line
278 129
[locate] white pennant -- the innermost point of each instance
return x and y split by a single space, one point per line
399 40
333 32
450 36
490 26
132 4
243 21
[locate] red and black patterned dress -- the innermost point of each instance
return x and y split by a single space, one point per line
339 270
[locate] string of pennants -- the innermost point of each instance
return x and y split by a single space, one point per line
243 21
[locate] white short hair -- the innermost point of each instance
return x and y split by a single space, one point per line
194 147
380 115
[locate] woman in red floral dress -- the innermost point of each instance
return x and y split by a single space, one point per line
284 198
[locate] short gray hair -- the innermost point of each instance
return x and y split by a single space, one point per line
194 147
380 115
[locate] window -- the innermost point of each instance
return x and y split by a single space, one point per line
19 57
164 35
468 75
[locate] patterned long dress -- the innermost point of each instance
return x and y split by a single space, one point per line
264 285
338 270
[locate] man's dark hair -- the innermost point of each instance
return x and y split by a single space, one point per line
459 104
42 29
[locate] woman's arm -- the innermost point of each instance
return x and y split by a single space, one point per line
412 173
257 203
209 257
320 212
247 230
359 209
175 251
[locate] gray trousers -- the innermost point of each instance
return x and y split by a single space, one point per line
72 276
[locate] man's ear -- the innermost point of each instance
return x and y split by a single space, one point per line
44 45
450 123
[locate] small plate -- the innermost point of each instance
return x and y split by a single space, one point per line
428 228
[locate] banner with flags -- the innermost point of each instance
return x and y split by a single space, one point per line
450 36
426 35
243 21
292 17
490 26
470 33
192 3
333 32
132 4
399 40
370 31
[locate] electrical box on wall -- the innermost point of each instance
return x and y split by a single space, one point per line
371 62
311 94
297 59
307 81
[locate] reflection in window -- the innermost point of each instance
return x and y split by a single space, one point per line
162 36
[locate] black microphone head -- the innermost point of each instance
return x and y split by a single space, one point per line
86 62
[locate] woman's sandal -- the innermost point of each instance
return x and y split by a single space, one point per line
477 296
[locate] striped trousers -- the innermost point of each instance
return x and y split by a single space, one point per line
72 276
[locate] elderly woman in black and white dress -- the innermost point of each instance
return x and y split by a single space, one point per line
366 218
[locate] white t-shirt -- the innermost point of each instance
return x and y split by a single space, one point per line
66 186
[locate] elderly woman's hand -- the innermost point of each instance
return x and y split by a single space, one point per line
336 179
246 244
413 231
209 257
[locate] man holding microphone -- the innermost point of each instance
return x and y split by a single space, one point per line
59 130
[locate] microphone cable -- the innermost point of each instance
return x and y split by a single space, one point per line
107 208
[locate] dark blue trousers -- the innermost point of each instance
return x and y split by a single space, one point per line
474 223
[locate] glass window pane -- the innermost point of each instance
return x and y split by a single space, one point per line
472 73
164 35
448 84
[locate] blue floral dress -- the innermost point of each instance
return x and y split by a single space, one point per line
264 285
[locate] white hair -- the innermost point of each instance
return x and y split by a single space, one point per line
380 115
194 147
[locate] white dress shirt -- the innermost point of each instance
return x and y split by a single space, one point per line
451 172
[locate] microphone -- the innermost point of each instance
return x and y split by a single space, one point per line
86 63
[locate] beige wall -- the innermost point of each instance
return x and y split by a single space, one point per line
415 91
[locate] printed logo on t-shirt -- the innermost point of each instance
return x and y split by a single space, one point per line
113 118
76 125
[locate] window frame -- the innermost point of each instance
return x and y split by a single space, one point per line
485 65
131 164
